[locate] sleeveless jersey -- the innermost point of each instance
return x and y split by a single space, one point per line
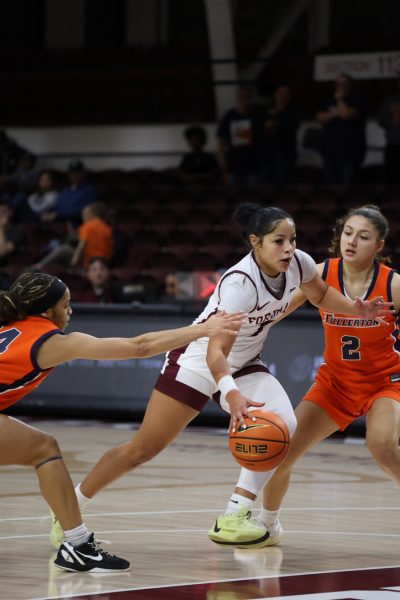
243 288
358 349
19 371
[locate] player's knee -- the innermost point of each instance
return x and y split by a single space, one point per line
46 448
383 450
291 423
139 454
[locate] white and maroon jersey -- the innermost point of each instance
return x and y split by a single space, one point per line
244 287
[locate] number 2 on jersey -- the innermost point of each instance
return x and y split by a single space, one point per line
350 347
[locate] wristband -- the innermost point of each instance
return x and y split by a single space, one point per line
226 384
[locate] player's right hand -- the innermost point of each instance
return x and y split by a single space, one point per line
239 408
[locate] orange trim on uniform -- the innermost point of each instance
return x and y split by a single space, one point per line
19 370
362 356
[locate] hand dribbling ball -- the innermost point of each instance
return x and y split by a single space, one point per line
263 444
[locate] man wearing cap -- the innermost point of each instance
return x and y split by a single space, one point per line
75 197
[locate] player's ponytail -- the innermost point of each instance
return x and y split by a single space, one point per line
8 308
258 220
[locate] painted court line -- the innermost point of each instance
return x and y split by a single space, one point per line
216 511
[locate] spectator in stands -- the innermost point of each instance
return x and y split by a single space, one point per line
99 286
94 238
44 199
170 293
73 199
198 166
238 134
278 144
389 119
11 235
343 142
46 194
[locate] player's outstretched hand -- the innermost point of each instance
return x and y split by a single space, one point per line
375 309
239 408
224 323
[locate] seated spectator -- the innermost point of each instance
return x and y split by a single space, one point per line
343 141
198 166
238 133
93 238
73 199
11 235
30 208
278 143
389 119
170 293
99 286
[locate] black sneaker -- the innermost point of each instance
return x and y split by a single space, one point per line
88 557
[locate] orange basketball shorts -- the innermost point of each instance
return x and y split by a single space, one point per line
346 401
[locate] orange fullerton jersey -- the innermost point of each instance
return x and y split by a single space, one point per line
19 371
358 349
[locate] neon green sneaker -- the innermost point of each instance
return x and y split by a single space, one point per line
239 530
56 534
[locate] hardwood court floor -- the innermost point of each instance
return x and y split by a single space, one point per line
341 514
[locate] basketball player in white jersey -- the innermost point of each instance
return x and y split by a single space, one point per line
230 372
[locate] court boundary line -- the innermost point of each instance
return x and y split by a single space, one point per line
173 585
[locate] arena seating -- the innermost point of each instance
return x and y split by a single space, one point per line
169 227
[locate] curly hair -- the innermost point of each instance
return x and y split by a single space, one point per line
376 218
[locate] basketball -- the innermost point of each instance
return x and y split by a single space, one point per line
263 444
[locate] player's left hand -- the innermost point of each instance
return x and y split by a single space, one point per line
224 323
375 309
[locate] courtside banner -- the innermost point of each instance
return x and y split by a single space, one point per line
371 65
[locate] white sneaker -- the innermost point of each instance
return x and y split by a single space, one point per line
275 534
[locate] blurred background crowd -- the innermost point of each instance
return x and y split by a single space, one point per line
247 114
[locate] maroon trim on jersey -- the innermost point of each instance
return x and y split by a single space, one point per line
300 269
240 273
167 383
270 290
245 371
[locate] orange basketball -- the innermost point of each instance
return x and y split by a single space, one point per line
263 444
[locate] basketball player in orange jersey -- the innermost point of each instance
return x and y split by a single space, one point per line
360 374
261 285
33 316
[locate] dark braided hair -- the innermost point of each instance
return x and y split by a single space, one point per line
374 216
28 290
259 220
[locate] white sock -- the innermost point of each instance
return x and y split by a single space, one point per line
78 535
236 502
82 500
269 517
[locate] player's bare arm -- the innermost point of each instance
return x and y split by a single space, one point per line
62 348
396 292
217 353
327 298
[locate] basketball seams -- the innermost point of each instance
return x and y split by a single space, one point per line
263 445
274 425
